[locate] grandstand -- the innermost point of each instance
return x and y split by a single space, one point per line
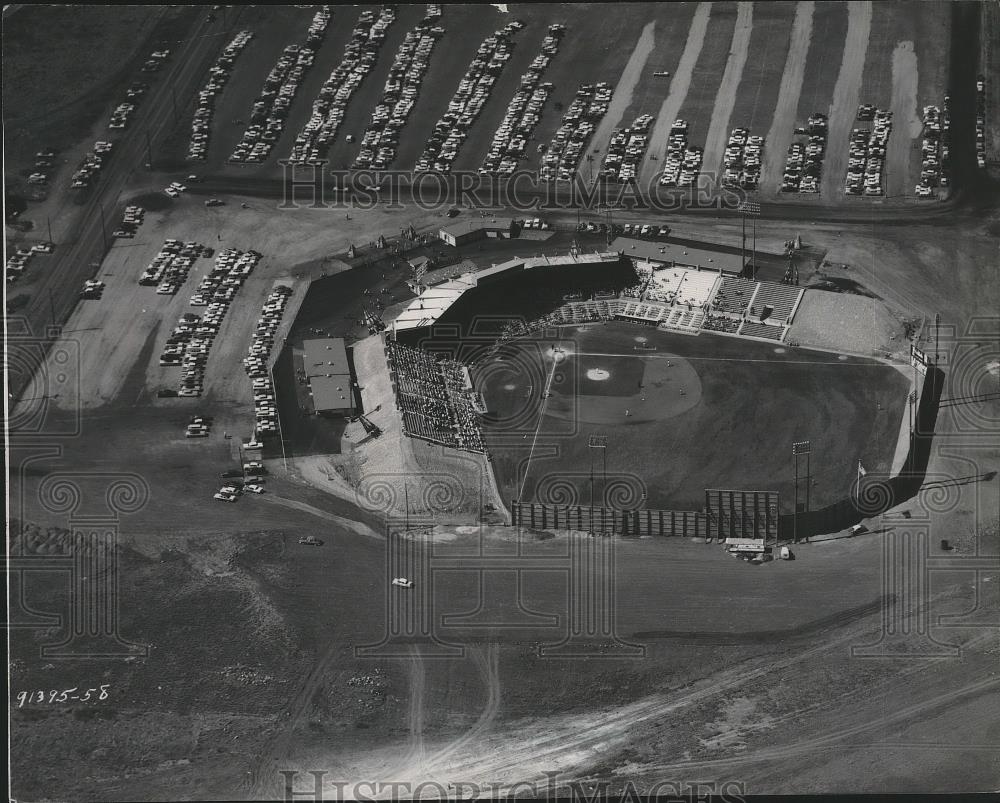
733 296
762 330
435 398
780 299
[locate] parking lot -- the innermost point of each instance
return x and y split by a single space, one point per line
122 335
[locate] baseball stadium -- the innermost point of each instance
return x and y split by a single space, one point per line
589 383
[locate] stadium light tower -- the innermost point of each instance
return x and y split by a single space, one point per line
752 209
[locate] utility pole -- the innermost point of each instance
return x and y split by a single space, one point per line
48 223
799 448
52 308
149 151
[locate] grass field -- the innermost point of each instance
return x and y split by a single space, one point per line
51 96
704 412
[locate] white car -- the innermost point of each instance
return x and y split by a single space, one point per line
225 497
254 488
402 582
172 192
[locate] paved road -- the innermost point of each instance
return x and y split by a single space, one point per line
405 191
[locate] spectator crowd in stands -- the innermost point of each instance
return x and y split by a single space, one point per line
434 398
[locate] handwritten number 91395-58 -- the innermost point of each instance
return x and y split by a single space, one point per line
55 696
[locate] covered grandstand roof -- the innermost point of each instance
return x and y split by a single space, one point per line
683 255
431 304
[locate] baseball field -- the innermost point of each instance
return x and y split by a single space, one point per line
680 414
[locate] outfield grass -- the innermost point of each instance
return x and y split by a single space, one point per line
753 401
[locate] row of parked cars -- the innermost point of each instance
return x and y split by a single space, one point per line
626 149
399 96
229 272
257 361
170 267
934 150
132 219
17 262
866 156
804 165
682 163
742 160
981 121
218 77
91 164
189 344
563 153
92 290
523 112
270 109
469 99
156 60
329 107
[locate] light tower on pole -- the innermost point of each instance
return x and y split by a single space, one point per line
749 209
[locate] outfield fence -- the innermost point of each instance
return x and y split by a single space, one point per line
610 521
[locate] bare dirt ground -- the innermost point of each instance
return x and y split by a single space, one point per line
725 99
906 121
847 323
679 84
779 137
845 97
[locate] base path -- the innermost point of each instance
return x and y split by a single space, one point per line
845 98
725 100
679 86
620 102
906 122
783 123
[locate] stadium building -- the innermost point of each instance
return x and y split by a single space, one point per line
329 375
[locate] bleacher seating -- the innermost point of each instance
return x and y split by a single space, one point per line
754 329
697 287
733 295
782 297
720 323
433 398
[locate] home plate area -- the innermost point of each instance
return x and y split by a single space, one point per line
624 388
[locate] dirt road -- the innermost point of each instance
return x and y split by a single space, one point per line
725 100
620 101
679 86
906 123
845 98
783 123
